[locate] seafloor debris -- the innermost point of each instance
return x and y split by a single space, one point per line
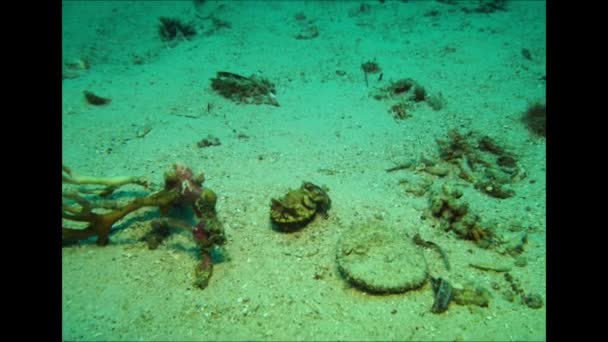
73 67
482 161
417 187
370 67
175 29
481 6
400 111
241 89
442 290
142 132
408 93
403 166
396 89
298 207
531 300
490 267
95 99
454 215
379 259
181 188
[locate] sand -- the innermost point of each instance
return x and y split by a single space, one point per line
327 130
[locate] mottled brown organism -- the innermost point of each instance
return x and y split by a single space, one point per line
298 207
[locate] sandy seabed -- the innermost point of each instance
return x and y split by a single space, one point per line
328 130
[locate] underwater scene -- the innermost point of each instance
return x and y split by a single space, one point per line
304 170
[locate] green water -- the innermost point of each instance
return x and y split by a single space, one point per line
407 117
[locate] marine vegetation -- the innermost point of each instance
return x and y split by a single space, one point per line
409 94
445 293
95 99
172 28
374 257
370 67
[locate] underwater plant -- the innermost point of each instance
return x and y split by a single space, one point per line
453 214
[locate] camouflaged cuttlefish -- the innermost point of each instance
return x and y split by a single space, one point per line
298 207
